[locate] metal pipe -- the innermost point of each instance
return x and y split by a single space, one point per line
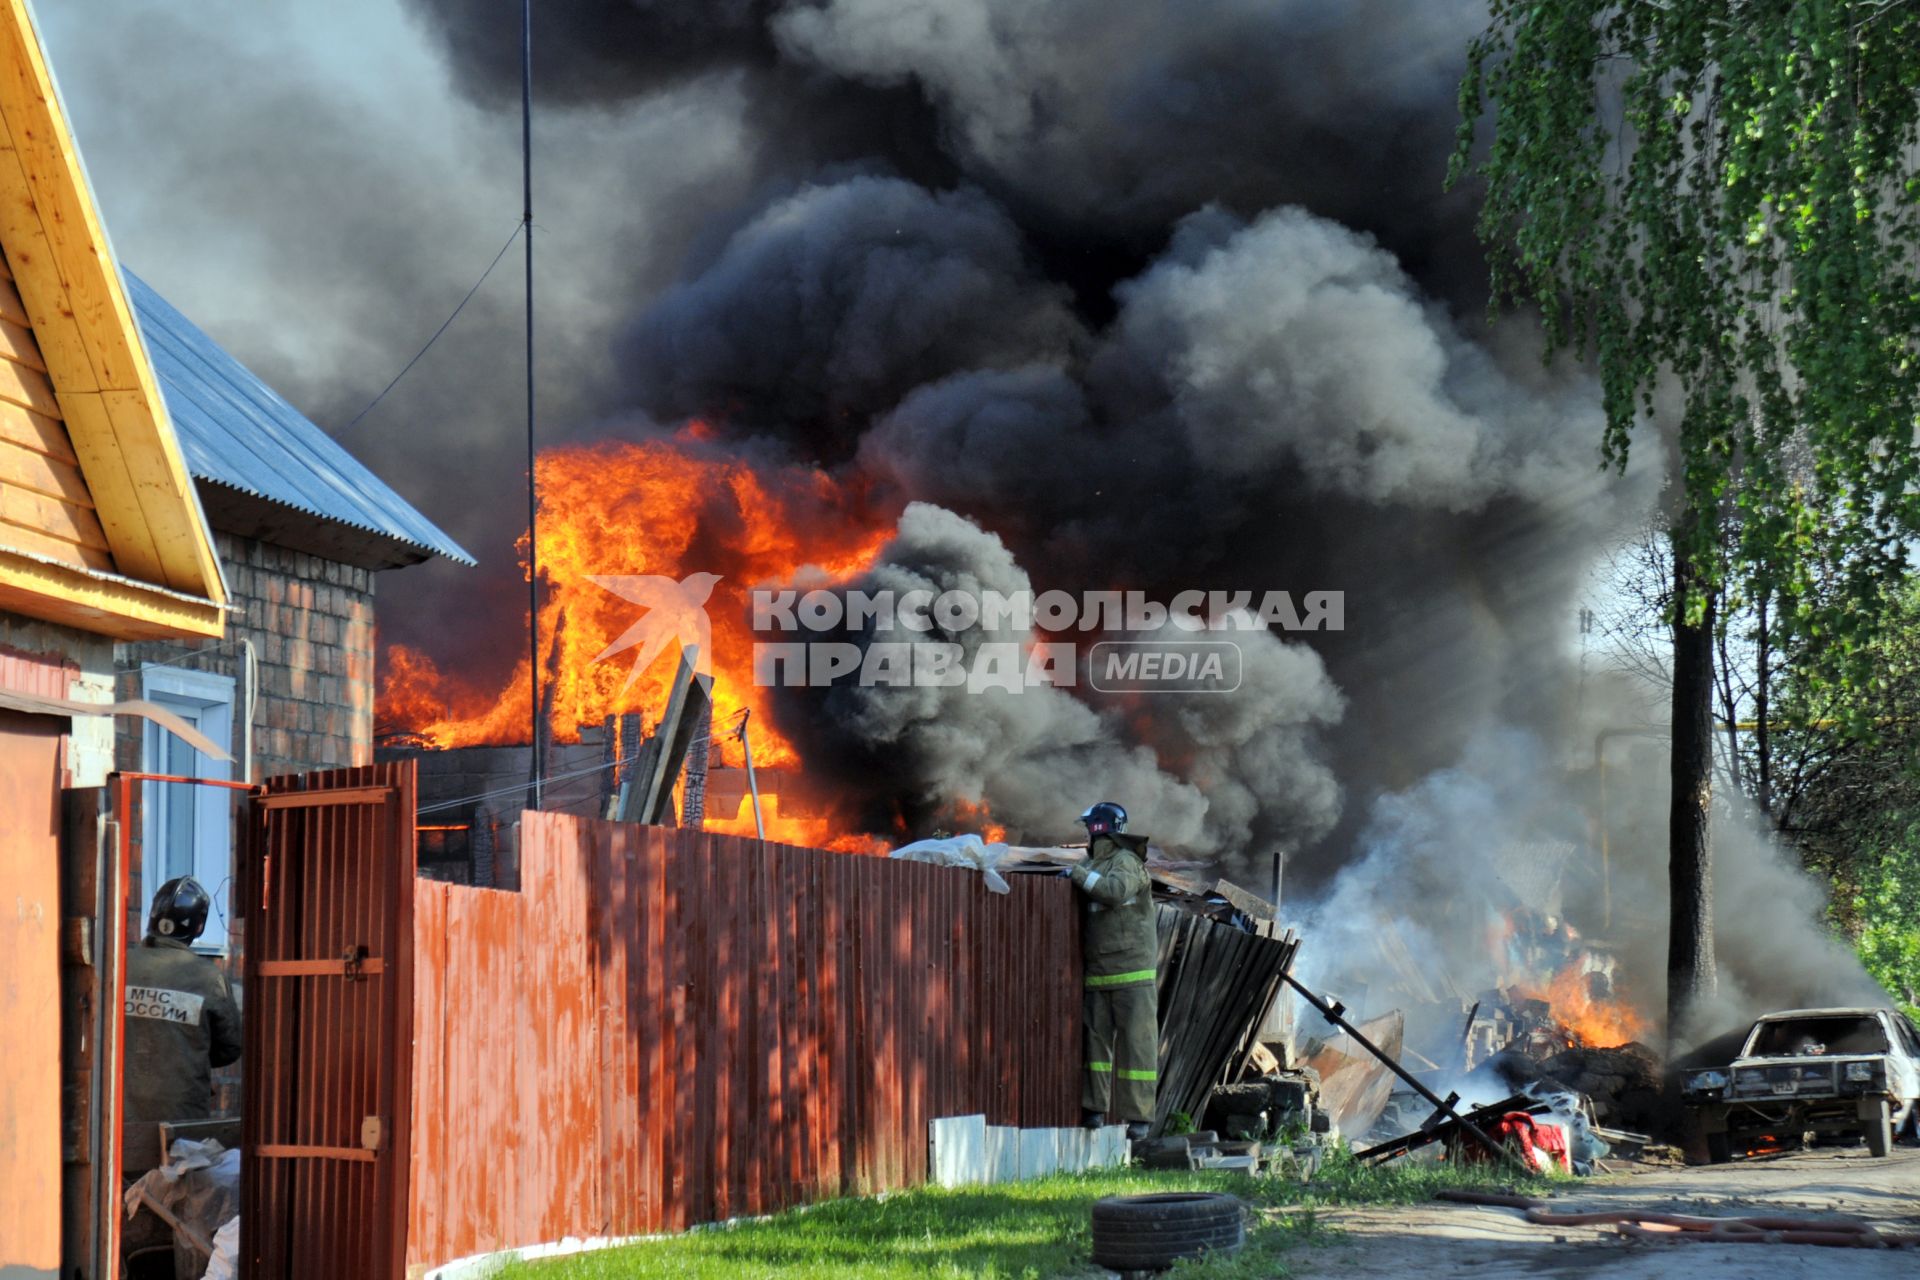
1332 1012
533 515
250 677
753 786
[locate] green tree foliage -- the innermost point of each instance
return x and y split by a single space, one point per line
1886 909
1719 201
1850 795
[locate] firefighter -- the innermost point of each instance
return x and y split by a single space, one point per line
1121 947
182 1021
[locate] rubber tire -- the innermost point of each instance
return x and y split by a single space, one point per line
1151 1233
1879 1131
1719 1148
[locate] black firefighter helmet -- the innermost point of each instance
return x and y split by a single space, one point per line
1104 818
179 910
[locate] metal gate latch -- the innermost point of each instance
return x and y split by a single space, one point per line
370 1134
353 963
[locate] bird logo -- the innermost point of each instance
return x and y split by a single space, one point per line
674 611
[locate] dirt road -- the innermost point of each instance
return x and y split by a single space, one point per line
1449 1240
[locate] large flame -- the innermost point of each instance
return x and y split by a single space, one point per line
672 507
1595 1022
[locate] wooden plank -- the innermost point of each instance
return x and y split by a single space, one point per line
50 163
165 491
12 309
51 516
114 496
29 389
36 273
18 347
51 477
43 433
25 538
68 595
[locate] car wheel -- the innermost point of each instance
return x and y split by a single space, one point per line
1151 1233
1880 1130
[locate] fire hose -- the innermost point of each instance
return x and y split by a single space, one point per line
1636 1224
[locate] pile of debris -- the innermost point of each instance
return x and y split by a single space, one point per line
1216 984
1622 1084
1265 1121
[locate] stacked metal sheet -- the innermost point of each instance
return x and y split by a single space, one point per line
1215 984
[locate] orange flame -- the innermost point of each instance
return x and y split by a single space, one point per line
669 507
1597 1024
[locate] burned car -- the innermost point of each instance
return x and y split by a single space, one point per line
1825 1072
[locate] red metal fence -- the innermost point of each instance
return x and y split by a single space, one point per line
329 976
666 1027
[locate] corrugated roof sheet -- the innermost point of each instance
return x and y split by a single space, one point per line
237 431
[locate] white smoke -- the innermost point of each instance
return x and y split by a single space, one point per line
1517 824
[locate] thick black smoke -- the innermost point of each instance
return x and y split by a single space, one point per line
836 302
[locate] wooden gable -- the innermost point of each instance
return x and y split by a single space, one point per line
99 524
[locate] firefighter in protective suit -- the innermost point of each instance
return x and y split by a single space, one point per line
1121 948
181 1017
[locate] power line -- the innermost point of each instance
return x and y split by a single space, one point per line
518 227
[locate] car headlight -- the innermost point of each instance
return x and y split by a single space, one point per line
1862 1072
1702 1080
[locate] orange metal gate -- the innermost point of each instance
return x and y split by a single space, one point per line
329 981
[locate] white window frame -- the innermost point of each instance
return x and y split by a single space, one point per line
204 700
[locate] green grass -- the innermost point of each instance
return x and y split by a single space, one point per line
1029 1229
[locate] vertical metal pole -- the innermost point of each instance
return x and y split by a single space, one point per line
533 530
753 787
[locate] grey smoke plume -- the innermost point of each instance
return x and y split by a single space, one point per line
1024 753
1295 341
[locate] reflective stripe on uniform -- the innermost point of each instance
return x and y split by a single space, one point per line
1093 878
1120 979
1099 1066
1139 1075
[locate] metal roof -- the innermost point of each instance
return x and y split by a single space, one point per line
237 431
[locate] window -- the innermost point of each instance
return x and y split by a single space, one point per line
1813 1037
188 830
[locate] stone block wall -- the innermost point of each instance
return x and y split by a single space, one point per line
310 623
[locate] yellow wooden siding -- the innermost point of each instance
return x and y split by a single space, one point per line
46 508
